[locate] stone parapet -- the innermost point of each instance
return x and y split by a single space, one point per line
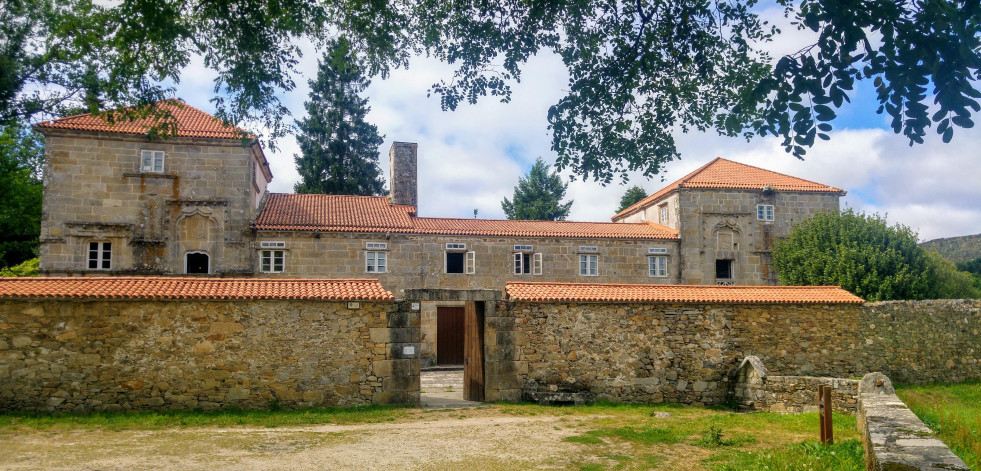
893 436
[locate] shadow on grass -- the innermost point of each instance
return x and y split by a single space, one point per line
145 420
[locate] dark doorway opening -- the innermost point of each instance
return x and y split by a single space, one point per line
196 263
449 335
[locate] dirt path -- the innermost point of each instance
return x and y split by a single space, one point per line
438 440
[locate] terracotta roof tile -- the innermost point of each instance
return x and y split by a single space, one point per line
338 213
284 211
513 228
600 292
193 288
722 173
191 122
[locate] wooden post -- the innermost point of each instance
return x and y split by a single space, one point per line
825 409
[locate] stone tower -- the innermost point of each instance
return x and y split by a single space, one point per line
402 160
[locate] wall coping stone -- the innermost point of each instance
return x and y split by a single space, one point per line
893 436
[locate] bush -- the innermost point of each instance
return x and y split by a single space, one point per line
28 268
864 255
950 283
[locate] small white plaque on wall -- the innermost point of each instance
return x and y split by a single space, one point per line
415 306
409 350
353 305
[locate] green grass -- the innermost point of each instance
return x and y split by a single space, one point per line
953 411
847 455
159 420
632 436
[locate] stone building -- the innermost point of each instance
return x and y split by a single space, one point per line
728 215
117 202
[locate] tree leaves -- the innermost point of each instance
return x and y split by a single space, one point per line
538 196
633 195
864 255
339 148
639 71
922 43
21 159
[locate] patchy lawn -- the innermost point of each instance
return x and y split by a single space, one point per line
505 436
951 410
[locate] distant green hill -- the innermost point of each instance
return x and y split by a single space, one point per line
957 249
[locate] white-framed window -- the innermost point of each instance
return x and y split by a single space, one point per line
375 262
588 265
657 250
272 244
152 161
460 262
527 263
100 255
376 245
764 212
588 248
657 266
456 246
663 213
522 263
272 261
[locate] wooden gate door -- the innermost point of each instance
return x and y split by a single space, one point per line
449 335
473 361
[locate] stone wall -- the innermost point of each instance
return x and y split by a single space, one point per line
754 388
637 352
79 355
911 341
418 261
620 352
67 355
94 190
923 341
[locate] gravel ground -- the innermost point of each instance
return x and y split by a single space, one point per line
462 439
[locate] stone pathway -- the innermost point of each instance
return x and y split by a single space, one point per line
442 388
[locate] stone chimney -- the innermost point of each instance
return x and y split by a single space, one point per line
403 185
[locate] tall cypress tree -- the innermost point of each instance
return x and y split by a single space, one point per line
538 196
339 148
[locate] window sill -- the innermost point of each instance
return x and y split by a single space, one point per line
169 176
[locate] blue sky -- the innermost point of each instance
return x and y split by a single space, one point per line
472 158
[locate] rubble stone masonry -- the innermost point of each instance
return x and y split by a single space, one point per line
637 352
84 355
80 356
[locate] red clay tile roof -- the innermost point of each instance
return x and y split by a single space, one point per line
191 122
285 211
193 288
601 292
722 173
339 213
511 228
